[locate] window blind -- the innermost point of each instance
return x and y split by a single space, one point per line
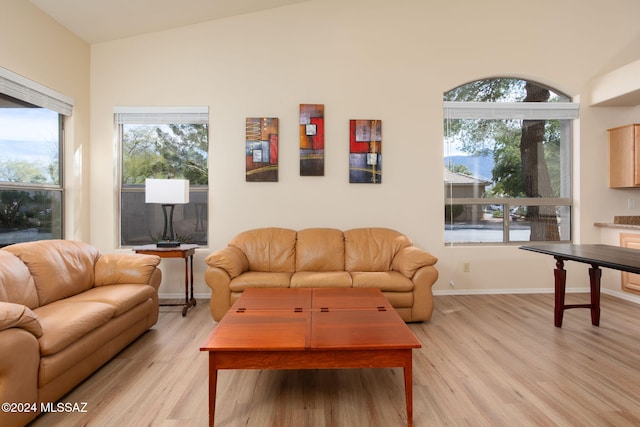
161 115
511 110
26 90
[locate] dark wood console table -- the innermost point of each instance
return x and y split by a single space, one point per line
183 251
615 257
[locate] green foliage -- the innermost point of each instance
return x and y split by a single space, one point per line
502 138
26 209
20 171
458 168
165 151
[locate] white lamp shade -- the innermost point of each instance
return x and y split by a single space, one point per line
166 191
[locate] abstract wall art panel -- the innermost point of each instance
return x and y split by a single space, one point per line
261 149
311 139
365 151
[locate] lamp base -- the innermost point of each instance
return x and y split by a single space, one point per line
167 244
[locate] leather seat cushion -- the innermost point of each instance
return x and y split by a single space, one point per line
384 280
321 279
259 279
122 297
65 322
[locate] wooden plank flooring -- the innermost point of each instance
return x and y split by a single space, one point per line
486 360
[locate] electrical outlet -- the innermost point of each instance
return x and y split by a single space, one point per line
631 203
466 267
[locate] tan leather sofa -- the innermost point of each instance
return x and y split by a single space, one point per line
65 310
324 257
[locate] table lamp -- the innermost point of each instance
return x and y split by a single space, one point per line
169 193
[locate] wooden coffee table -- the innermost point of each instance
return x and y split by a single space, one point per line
302 328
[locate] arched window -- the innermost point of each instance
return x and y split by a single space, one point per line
507 160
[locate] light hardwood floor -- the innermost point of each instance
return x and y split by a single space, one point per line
488 360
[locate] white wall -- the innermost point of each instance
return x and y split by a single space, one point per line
383 59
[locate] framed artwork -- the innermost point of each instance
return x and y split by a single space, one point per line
365 151
311 139
261 149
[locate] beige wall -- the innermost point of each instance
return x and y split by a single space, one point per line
36 47
389 60
382 59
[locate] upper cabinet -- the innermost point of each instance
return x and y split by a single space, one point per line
624 156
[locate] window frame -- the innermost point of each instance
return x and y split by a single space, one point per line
516 111
150 116
30 92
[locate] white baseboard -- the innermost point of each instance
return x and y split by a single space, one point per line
181 296
618 294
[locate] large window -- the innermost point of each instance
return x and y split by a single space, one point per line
163 143
507 160
31 181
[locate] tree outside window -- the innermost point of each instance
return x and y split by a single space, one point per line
507 162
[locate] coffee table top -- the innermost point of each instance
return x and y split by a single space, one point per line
311 319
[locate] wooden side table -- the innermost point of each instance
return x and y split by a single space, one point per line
182 251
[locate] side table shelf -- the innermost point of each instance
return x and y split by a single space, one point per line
182 251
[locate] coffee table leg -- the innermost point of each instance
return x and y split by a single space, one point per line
408 389
560 275
594 275
213 385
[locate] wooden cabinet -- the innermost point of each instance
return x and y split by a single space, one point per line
624 156
630 281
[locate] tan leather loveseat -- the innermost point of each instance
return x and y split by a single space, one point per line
65 310
324 257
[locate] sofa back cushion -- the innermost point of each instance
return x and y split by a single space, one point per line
268 249
60 268
372 249
16 284
320 249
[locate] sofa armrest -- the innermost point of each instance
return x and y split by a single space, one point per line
19 316
230 259
410 259
136 269
19 364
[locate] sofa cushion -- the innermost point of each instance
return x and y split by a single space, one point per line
16 282
65 322
320 249
122 297
372 249
384 280
259 279
60 268
268 249
321 279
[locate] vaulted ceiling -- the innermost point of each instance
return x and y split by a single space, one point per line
97 21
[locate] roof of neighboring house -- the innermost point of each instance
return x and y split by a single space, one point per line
462 179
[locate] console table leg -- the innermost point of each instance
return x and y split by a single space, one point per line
594 280
560 275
